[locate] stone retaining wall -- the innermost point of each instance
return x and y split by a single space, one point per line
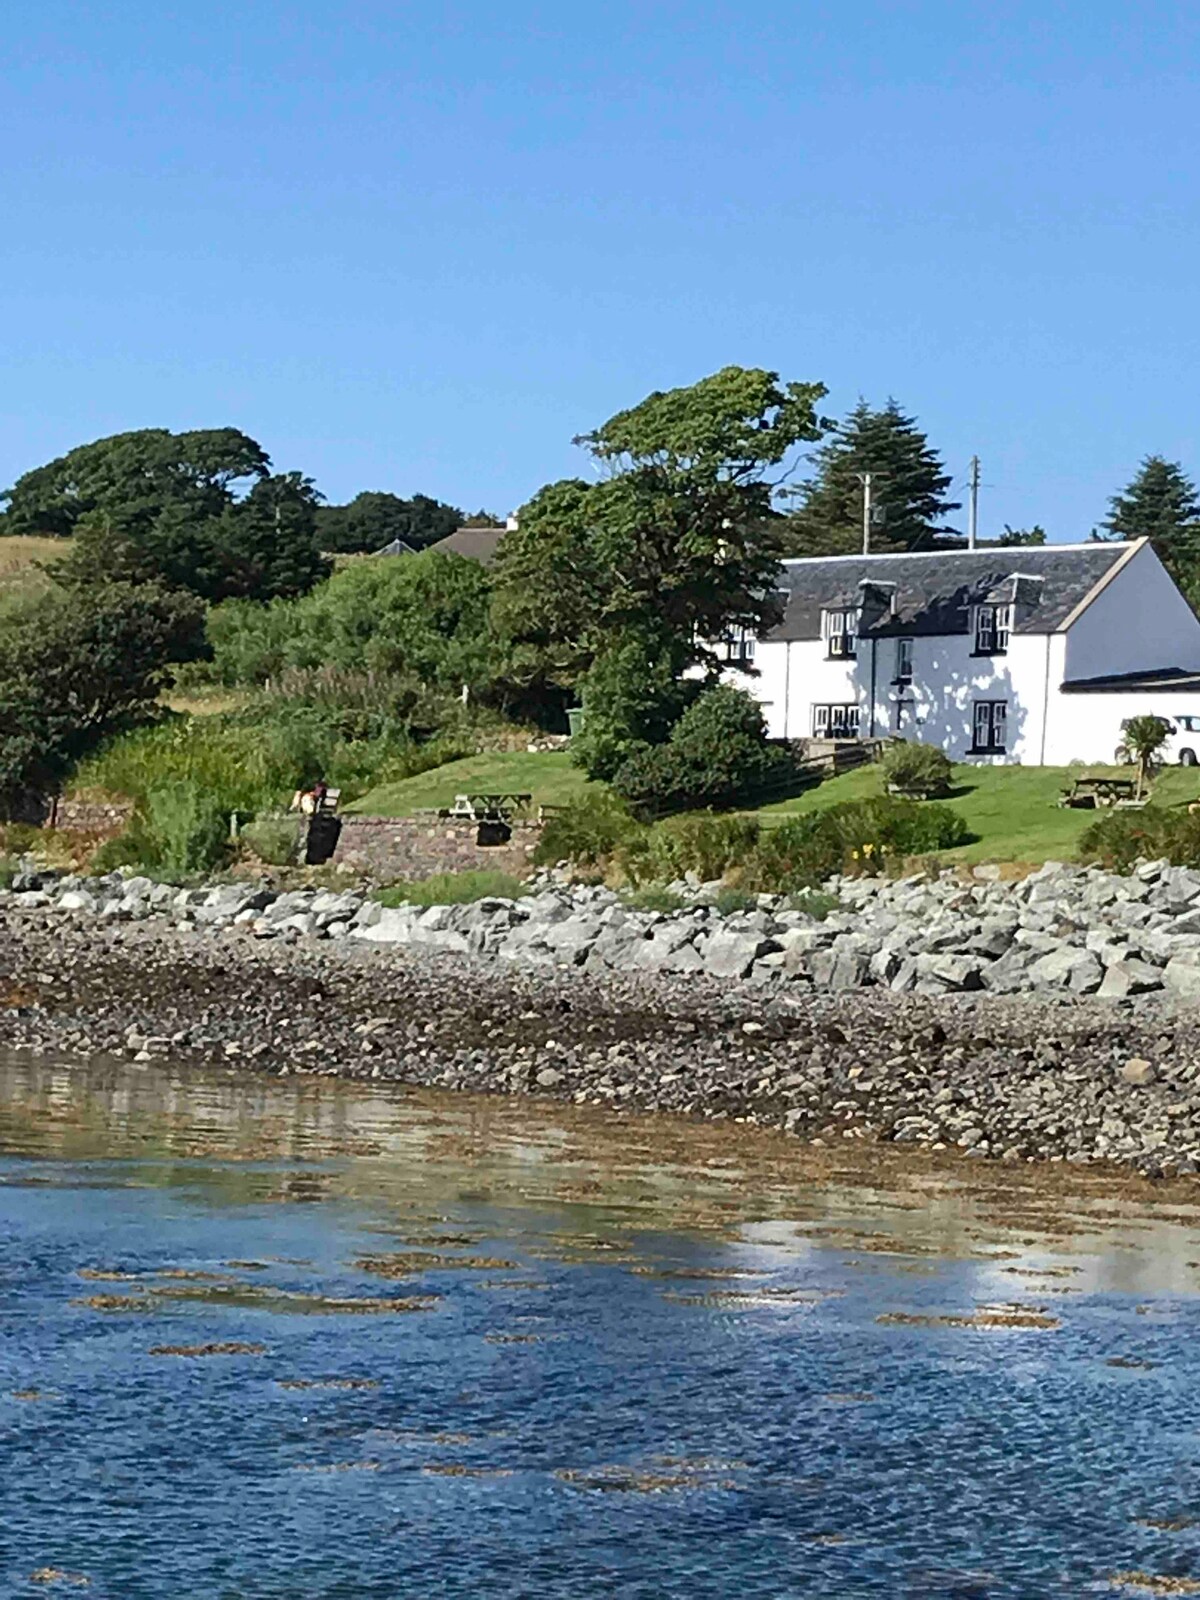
388 848
92 816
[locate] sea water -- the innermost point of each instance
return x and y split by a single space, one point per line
279 1339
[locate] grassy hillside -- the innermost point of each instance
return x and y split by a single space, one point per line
19 555
1012 810
549 777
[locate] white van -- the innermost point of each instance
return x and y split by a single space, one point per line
1182 743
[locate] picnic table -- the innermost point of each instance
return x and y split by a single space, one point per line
490 807
1091 793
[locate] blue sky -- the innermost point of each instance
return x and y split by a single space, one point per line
421 246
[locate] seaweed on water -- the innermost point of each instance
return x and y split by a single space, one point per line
1151 1583
984 1317
408 1264
328 1383
228 1347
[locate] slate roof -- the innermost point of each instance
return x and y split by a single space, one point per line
475 544
934 593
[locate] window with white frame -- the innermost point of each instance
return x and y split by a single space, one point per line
904 661
993 624
839 629
835 722
990 729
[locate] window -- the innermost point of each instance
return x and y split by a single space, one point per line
835 722
840 631
904 661
990 728
737 647
993 624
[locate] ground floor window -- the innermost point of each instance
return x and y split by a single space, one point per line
990 727
835 722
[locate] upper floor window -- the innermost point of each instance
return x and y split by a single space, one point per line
839 629
737 647
993 624
904 661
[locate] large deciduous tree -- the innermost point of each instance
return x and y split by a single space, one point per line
197 511
134 476
628 582
909 489
77 667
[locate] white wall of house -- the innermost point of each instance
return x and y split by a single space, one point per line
1087 727
938 706
1138 622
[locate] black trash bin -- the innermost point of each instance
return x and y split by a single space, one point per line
324 831
493 830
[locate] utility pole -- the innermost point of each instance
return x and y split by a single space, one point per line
973 504
865 479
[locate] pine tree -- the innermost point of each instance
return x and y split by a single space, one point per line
1161 504
909 489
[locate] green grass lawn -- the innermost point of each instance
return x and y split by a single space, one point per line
549 777
1011 810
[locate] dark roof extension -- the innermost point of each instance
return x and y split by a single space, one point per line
1171 680
934 593
476 544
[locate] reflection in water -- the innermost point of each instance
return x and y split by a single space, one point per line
267 1338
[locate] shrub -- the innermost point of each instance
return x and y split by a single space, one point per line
859 836
274 840
652 897
917 769
8 871
1119 839
453 889
727 901
177 831
586 831
707 845
717 755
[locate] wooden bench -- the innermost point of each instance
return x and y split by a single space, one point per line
1096 792
487 807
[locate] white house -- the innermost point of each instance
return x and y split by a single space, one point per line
1033 654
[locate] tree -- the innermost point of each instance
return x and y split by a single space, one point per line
196 511
1021 536
643 572
425 617
78 667
908 488
1141 740
1161 504
134 476
716 755
375 518
262 547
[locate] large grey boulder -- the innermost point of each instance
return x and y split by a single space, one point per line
1067 968
1182 977
390 926
953 972
728 954
77 900
1128 977
572 939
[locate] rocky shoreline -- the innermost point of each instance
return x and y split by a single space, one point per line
1030 1059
